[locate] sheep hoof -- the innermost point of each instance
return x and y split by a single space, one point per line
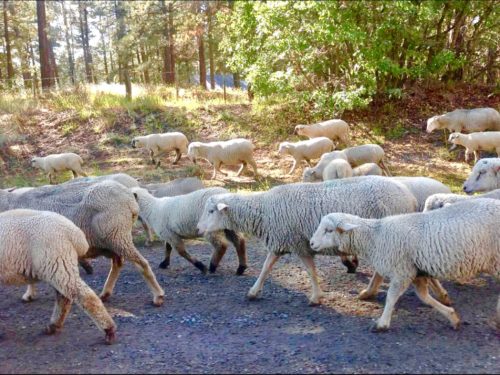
110 335
27 299
314 303
445 300
456 326
351 266
158 300
105 297
212 268
241 270
164 265
52 329
375 328
364 295
253 296
201 266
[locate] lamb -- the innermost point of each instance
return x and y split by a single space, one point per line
335 129
234 151
45 246
356 156
285 217
305 150
175 219
415 247
162 142
485 176
338 168
473 142
59 163
468 120
367 169
442 200
105 211
178 186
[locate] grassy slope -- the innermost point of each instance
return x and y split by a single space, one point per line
98 123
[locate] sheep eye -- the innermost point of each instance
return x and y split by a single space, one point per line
328 230
211 211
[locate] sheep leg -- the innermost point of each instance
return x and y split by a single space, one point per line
143 266
243 166
350 264
181 249
266 269
220 247
166 261
372 288
86 265
422 289
148 231
178 156
93 306
152 155
384 167
75 175
467 152
254 166
114 272
476 156
317 293
30 293
50 178
239 244
293 166
396 289
440 292
59 314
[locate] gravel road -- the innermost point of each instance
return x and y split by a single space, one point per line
206 325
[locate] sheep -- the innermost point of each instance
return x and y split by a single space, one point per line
285 217
468 120
436 201
356 156
332 129
234 151
338 168
162 142
122 178
178 186
485 176
58 163
45 246
473 142
448 243
305 150
422 188
175 219
106 212
367 169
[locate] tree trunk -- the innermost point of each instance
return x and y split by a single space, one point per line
104 52
69 48
10 67
44 48
236 80
211 48
171 45
123 59
144 58
53 64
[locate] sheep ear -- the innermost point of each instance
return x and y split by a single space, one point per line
222 207
346 227
135 196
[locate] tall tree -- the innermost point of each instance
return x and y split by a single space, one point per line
210 11
123 50
44 47
84 34
10 67
69 45
201 48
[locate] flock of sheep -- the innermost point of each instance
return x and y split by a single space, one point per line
410 229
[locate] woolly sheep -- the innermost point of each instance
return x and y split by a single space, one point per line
285 217
305 150
411 248
45 246
335 129
58 163
175 219
468 120
175 187
473 142
437 201
162 142
485 176
422 188
105 211
338 168
356 156
122 178
234 151
367 169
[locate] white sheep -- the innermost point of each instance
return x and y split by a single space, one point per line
449 243
473 142
45 246
174 219
468 120
175 187
162 142
485 176
422 188
367 169
335 129
437 201
122 178
338 168
356 156
305 150
285 217
58 163
232 152
106 212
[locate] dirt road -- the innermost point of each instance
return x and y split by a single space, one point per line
207 325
